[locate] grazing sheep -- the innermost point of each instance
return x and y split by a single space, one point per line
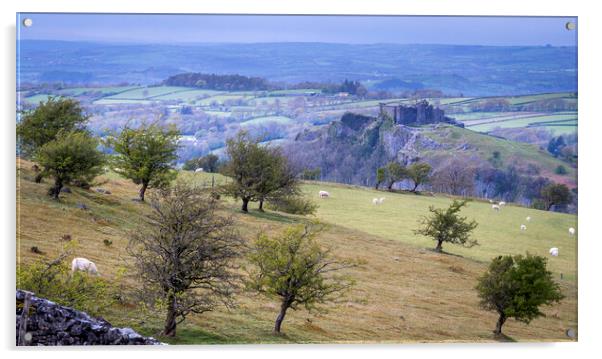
495 207
378 201
554 252
490 201
324 194
523 227
502 203
572 231
83 264
528 219
200 169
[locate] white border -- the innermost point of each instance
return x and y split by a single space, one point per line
590 173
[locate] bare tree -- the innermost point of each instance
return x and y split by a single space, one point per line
455 178
184 253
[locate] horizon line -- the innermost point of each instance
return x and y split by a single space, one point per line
188 43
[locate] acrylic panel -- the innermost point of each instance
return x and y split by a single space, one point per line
246 179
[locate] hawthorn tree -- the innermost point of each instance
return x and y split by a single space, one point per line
184 253
69 157
419 173
208 163
555 194
515 287
245 161
395 172
259 173
145 155
42 125
446 225
278 180
295 269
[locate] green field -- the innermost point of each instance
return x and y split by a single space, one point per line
220 99
121 101
37 98
283 120
498 232
145 93
526 121
188 96
77 91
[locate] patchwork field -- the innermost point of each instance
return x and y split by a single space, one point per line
404 291
310 107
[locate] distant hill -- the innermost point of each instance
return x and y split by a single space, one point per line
470 70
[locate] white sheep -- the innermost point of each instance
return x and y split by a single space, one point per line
523 227
502 203
572 231
83 264
495 207
528 219
381 200
323 194
490 201
375 201
200 169
554 252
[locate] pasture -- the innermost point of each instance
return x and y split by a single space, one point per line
404 291
498 233
549 121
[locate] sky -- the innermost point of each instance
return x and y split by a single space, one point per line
172 29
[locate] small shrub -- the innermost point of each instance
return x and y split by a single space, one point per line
560 170
66 237
107 242
80 290
293 205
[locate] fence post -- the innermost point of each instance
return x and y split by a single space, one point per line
22 333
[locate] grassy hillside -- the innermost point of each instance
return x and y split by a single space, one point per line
512 153
404 291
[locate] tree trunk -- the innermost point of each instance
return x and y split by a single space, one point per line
415 187
245 204
56 189
390 186
550 206
261 205
500 322
143 190
38 178
376 186
285 305
170 321
439 247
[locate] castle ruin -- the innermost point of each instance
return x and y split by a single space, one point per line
421 114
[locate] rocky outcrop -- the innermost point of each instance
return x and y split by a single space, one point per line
48 323
350 150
